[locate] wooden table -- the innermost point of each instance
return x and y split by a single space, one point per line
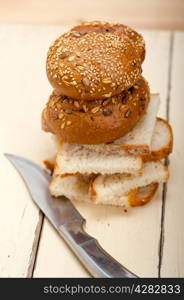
148 240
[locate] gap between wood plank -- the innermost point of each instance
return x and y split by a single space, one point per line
35 246
164 192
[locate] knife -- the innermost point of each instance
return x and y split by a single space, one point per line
63 215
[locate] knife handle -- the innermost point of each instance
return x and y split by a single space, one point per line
94 258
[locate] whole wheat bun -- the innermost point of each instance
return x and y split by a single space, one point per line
98 121
95 61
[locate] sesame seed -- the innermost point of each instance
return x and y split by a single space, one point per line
95 109
106 80
76 103
76 34
107 95
64 55
106 102
74 83
85 81
85 107
127 113
61 115
66 82
71 58
80 68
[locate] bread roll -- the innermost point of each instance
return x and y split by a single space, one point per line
95 61
98 121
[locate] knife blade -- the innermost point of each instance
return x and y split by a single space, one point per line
63 215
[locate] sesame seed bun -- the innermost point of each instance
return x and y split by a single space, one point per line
98 121
95 61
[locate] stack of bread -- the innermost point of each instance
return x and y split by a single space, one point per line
110 140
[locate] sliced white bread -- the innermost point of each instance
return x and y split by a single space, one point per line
77 188
162 141
71 160
118 190
109 189
71 186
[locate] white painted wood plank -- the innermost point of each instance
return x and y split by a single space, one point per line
24 90
157 14
131 238
156 64
173 258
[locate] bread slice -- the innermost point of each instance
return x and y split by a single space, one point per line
85 161
142 195
79 160
162 141
161 146
77 188
109 189
71 186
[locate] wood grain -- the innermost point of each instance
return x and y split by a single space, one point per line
24 90
173 236
152 14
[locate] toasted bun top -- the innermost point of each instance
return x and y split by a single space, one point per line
95 60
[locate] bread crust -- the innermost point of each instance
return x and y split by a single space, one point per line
134 199
49 165
99 121
95 60
163 152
